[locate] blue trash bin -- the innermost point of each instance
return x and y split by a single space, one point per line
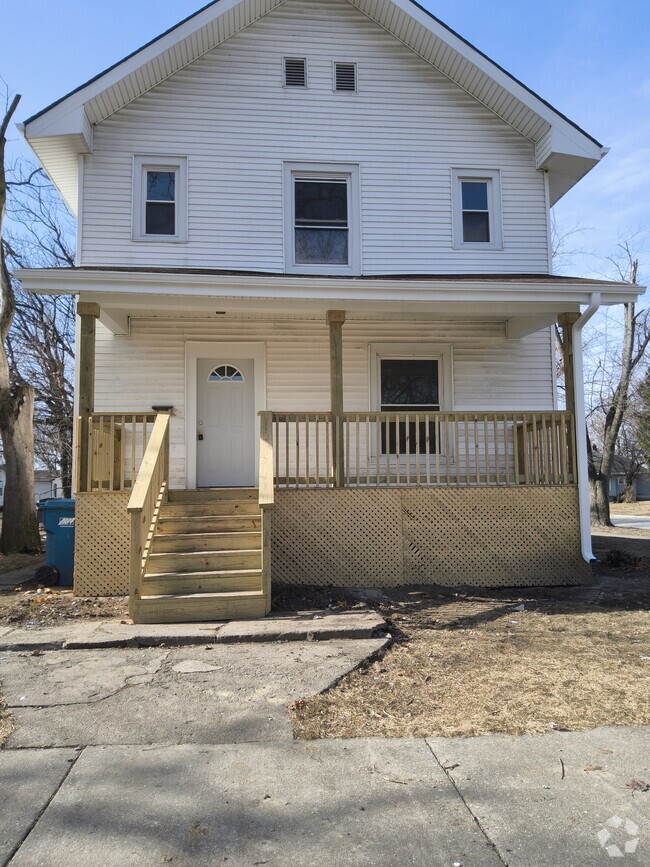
58 520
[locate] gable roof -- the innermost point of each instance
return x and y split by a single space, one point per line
63 130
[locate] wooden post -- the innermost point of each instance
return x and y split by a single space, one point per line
88 314
335 320
566 322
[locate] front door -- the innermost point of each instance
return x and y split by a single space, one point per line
225 432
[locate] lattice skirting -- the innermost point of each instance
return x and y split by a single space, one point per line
484 537
102 544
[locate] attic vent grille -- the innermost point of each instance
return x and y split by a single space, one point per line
346 77
295 72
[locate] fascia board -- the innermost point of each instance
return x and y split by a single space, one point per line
323 289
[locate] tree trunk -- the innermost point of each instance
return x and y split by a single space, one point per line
599 501
66 472
19 524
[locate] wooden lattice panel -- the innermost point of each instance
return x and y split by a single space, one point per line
343 538
492 537
483 537
102 544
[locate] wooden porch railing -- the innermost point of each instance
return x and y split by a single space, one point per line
117 443
419 449
149 493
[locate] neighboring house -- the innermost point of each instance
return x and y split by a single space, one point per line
45 485
314 280
618 483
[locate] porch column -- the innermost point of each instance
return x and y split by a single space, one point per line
335 320
566 321
88 315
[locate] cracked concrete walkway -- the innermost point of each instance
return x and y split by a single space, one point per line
184 756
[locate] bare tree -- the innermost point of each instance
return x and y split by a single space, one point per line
611 386
19 527
41 341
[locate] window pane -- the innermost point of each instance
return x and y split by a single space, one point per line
161 186
321 246
160 218
476 227
475 196
410 382
321 203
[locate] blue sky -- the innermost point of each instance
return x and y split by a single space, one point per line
589 58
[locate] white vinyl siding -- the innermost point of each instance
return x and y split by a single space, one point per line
230 115
489 372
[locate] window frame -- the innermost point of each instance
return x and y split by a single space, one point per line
492 178
320 172
161 163
442 353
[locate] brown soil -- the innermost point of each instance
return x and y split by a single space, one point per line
11 562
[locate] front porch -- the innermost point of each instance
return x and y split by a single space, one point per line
409 491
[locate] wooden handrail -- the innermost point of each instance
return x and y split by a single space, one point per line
148 495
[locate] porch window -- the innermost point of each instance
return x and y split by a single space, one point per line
322 220
409 386
159 199
477 209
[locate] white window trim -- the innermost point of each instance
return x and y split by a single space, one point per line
442 353
284 72
493 178
356 77
160 162
317 171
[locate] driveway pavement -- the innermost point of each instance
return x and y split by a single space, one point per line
184 756
631 522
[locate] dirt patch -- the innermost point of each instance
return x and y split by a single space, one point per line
472 662
6 722
34 606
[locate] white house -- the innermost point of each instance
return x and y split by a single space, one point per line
314 289
45 485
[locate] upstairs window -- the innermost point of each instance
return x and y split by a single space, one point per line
295 72
322 220
345 77
159 199
477 209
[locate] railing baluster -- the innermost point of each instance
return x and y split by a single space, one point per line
417 450
377 449
407 441
367 451
506 450
307 437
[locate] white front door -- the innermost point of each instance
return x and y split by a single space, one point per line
225 430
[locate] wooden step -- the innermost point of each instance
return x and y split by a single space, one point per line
200 607
213 495
169 543
218 581
203 561
220 507
208 524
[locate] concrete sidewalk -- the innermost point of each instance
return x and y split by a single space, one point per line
473 802
311 626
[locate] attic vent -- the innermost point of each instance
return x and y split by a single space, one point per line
295 72
346 77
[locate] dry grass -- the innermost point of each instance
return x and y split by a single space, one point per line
639 509
11 562
498 670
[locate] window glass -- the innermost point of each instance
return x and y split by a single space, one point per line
160 205
226 373
476 216
321 221
409 386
